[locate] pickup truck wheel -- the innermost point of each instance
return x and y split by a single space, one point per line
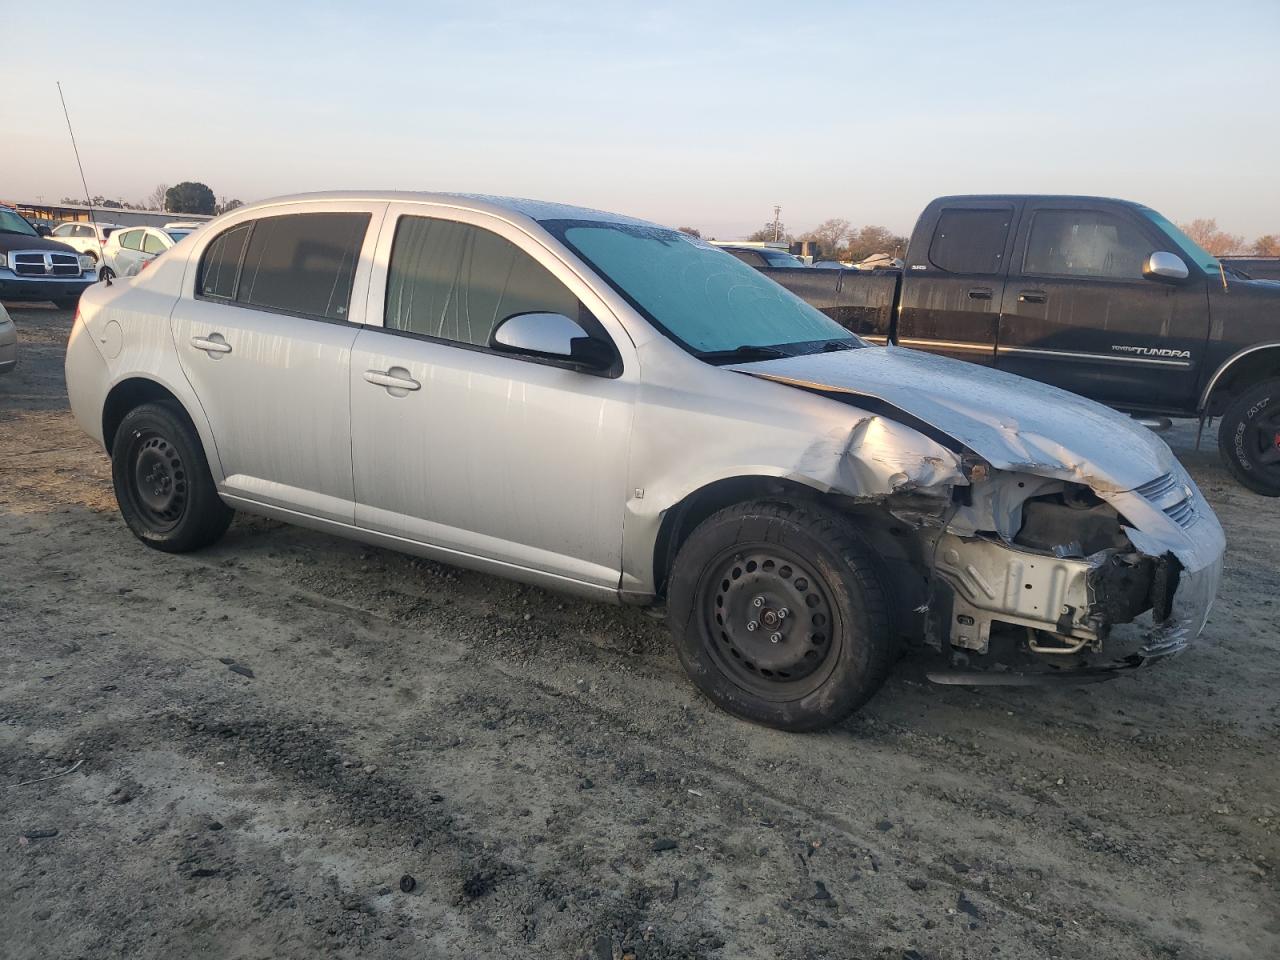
778 614
162 481
1249 437
66 303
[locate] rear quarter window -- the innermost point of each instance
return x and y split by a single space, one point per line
220 265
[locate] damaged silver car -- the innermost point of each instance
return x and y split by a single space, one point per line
597 404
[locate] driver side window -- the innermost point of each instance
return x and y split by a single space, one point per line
453 281
1085 243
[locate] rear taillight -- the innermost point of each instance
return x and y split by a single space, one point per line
145 263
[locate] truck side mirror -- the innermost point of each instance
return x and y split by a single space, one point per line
1163 265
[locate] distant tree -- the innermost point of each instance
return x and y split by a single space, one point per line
771 232
226 205
1217 242
691 231
1267 245
871 239
829 235
112 204
189 197
155 199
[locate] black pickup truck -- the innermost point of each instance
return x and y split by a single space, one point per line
1105 298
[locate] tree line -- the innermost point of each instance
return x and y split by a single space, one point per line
1223 244
190 196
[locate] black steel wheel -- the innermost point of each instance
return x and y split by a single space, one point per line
1249 437
778 614
768 621
162 481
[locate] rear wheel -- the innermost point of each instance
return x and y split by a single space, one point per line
1249 437
66 303
162 481
778 614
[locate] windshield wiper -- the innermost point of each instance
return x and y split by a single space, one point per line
743 353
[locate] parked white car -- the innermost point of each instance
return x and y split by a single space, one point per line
129 249
8 342
87 238
602 405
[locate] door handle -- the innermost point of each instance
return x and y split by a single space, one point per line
980 293
1033 296
397 378
214 343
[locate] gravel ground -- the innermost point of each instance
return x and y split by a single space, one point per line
290 745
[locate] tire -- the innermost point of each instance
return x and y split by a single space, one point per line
162 481
1249 437
822 644
67 303
106 273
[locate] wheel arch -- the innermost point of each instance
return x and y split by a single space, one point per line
1253 364
132 392
682 517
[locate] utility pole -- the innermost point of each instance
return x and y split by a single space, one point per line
777 222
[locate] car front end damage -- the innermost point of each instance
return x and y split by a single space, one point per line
1026 523
1058 565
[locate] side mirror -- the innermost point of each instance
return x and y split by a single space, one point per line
551 336
43 231
1162 265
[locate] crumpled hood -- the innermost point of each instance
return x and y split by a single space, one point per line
1013 423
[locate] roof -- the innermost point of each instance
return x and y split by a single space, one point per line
484 203
1035 196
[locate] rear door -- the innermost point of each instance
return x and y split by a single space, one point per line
1078 313
951 291
266 344
128 253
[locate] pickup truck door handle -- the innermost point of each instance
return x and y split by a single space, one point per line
212 344
1032 296
980 293
397 378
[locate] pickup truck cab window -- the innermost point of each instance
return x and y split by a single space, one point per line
712 305
1084 243
454 281
970 241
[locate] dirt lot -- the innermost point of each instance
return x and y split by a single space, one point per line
271 734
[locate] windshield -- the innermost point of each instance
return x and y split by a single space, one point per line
1189 248
776 258
706 300
10 222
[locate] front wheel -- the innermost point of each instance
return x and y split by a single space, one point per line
162 481
1249 437
779 616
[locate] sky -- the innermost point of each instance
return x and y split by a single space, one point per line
701 113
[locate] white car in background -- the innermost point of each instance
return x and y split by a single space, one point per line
8 342
129 249
87 238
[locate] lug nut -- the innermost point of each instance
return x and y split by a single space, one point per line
758 602
751 626
784 613
775 637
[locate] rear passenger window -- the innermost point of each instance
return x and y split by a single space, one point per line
1085 243
970 241
453 281
152 244
302 263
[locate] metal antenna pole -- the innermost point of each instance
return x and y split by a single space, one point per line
92 218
